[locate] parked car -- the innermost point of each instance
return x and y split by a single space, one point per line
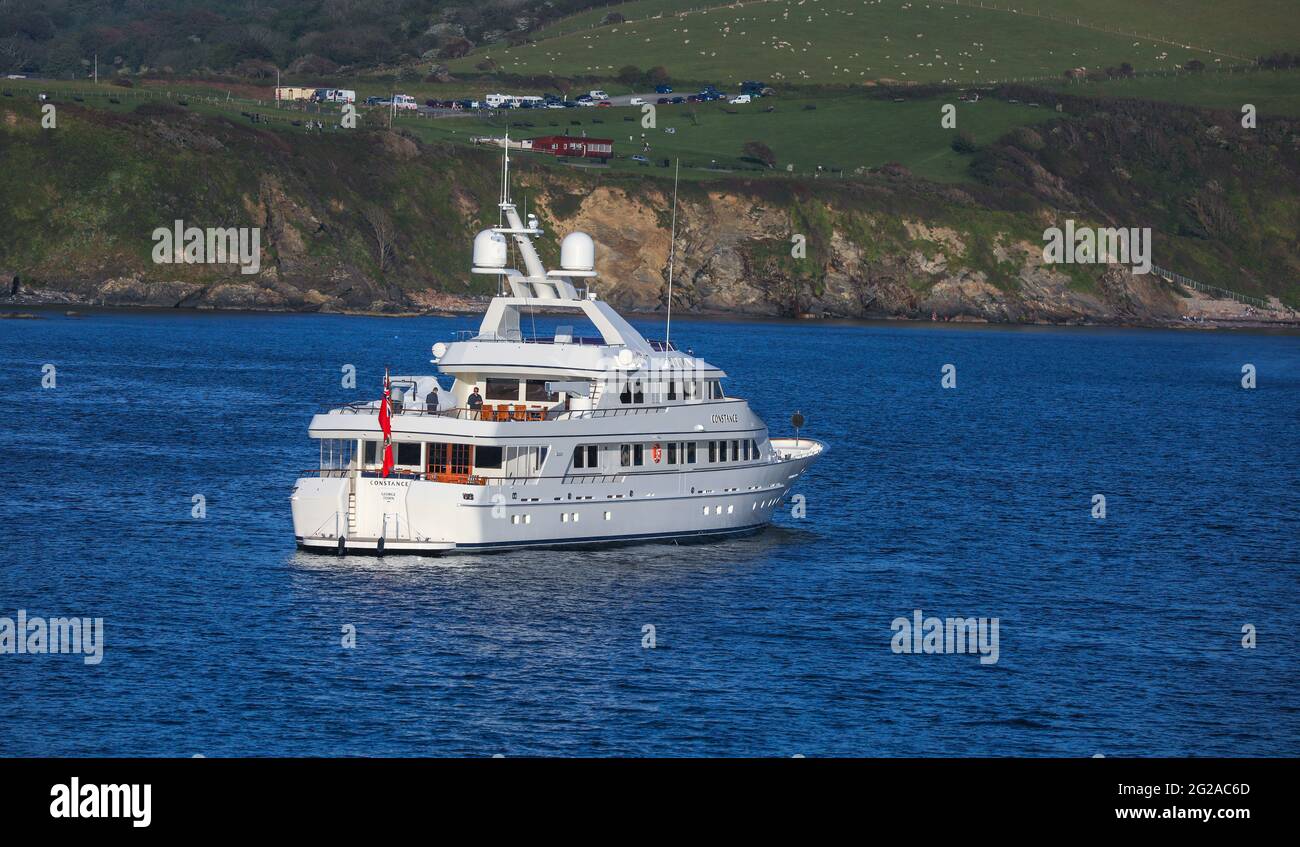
740 98
587 102
597 94
380 101
663 89
693 98
584 98
636 101
663 101
642 159
605 104
678 100
404 102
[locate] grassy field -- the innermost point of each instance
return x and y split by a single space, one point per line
848 41
841 132
1271 92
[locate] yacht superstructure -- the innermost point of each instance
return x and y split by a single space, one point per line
543 439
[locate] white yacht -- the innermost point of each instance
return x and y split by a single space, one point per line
544 439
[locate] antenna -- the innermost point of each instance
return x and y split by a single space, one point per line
505 172
672 254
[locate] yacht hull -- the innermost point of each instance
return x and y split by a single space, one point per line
358 514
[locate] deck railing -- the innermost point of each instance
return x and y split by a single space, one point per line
582 340
501 413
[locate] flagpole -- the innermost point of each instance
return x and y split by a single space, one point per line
672 254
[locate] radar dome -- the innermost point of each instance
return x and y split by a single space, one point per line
578 254
489 250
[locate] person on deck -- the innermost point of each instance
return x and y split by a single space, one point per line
431 402
475 401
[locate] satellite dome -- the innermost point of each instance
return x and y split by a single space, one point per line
489 250
578 254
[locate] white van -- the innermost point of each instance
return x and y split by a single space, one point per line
598 95
404 101
740 98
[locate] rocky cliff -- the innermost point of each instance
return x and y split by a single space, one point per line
378 222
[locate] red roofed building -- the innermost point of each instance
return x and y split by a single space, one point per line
567 145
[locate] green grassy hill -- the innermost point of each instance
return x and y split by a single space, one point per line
852 41
836 132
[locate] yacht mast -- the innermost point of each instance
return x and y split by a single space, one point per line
672 254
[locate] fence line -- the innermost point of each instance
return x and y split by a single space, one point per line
1221 293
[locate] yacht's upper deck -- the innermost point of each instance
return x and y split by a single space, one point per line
501 347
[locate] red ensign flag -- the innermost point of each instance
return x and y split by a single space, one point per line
386 424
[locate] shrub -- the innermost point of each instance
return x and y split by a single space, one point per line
963 142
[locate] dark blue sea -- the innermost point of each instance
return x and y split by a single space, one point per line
1120 636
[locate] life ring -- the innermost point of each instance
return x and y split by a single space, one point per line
656 453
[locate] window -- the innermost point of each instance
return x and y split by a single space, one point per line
535 391
336 453
408 453
502 389
690 452
753 445
638 394
586 456
372 452
625 394
689 392
638 454
461 458
715 390
487 457
455 458
722 451
735 451
672 452
607 516
747 443
672 389
713 451
625 455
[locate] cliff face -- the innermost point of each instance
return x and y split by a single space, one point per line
729 259
377 222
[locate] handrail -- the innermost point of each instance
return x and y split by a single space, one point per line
531 415
473 335
1211 289
659 346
